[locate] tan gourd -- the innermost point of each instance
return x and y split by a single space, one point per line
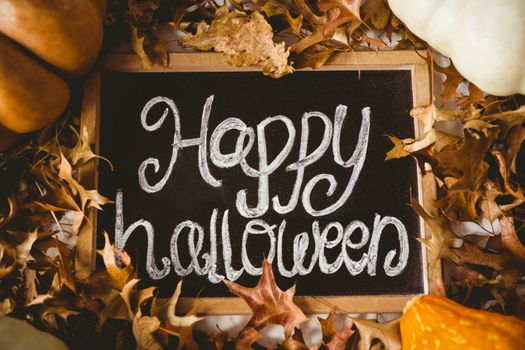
43 42
435 322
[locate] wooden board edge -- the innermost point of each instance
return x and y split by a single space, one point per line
309 305
427 191
210 61
88 174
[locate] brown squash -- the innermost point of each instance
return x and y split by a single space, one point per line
66 34
435 322
42 40
30 95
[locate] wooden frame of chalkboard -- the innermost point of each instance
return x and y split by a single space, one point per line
211 62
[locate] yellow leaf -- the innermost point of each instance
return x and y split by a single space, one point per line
274 8
118 275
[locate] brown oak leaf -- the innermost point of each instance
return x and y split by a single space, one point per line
334 339
269 304
348 11
376 12
296 342
247 337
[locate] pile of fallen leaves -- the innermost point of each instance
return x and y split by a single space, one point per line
279 35
476 154
478 161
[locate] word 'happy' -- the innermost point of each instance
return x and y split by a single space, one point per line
249 140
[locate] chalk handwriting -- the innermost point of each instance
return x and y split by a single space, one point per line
189 236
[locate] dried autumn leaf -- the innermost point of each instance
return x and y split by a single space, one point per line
399 148
274 8
119 276
137 44
246 39
140 12
269 304
490 209
247 338
65 268
465 162
437 242
376 12
23 250
452 80
296 342
512 134
134 299
341 338
7 260
144 329
114 308
167 313
82 152
316 55
328 327
334 339
91 198
317 23
348 11
510 239
388 333
161 50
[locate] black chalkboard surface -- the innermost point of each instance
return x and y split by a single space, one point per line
213 171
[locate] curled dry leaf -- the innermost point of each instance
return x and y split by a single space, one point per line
137 43
269 304
334 339
247 337
296 342
167 313
340 340
328 327
246 40
377 13
276 8
118 275
135 298
179 326
388 333
348 10
510 240
144 330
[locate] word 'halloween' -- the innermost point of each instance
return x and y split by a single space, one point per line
250 139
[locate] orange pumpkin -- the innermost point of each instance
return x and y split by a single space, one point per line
435 322
39 41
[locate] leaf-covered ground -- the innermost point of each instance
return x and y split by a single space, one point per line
475 152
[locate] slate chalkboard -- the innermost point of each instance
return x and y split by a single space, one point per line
198 192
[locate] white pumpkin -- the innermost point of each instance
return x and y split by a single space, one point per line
484 38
